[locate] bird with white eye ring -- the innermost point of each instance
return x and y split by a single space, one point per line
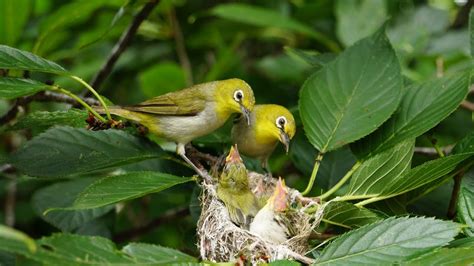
269 124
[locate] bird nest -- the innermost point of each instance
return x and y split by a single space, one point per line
220 240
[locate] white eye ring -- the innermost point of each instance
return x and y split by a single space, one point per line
281 122
238 95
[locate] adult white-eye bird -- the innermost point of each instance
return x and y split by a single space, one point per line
271 223
234 191
269 124
184 115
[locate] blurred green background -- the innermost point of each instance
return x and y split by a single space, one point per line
188 42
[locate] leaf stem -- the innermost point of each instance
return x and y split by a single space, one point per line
79 100
317 163
342 181
78 79
354 197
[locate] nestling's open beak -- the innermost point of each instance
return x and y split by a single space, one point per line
285 140
246 113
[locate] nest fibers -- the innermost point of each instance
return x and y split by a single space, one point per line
220 240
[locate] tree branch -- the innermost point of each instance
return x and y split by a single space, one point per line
121 45
167 217
432 151
454 195
467 105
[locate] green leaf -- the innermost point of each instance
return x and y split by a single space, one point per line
42 120
352 95
13 18
263 17
465 145
471 30
161 78
12 240
118 188
60 195
423 107
68 249
462 242
445 257
424 174
11 88
312 58
465 206
358 19
12 58
348 215
153 254
66 16
389 241
63 151
378 171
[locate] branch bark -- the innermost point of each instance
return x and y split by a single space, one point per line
463 15
121 45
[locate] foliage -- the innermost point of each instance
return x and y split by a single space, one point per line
381 92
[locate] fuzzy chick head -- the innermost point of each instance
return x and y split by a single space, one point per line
279 199
234 96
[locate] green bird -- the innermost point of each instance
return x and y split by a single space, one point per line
184 115
234 191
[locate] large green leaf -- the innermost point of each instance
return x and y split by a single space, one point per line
153 254
352 95
348 215
263 17
114 189
67 249
60 195
12 58
13 18
11 88
462 242
445 257
12 240
465 145
161 78
358 19
424 174
389 241
42 120
378 171
65 151
465 205
423 107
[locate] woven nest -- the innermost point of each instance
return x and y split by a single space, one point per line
220 240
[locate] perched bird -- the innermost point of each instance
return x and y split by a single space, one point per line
190 113
271 222
234 191
269 123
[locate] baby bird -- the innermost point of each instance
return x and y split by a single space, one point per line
270 223
184 115
269 124
234 191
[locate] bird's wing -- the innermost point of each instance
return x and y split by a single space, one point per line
187 102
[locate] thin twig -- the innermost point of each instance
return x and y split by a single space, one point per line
167 217
432 151
181 49
121 45
467 105
454 195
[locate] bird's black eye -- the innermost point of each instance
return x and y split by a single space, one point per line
238 95
281 122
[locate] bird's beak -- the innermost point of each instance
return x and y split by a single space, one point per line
285 140
246 113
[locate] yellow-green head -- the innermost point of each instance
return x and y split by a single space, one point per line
234 96
270 124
